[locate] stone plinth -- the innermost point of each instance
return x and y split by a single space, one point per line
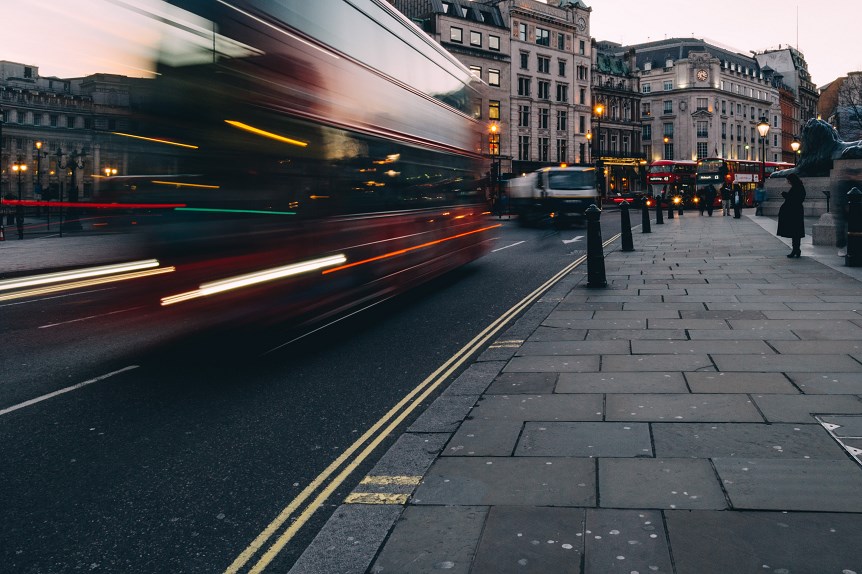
826 231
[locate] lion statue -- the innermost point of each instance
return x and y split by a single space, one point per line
820 146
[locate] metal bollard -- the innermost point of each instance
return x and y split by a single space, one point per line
645 228
595 255
669 207
854 228
626 226
659 218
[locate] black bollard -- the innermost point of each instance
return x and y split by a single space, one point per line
595 255
659 217
626 226
645 228
854 228
670 208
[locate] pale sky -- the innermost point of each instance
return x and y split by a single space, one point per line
80 37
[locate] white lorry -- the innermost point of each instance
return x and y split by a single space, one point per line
561 194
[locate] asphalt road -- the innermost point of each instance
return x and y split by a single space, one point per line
196 441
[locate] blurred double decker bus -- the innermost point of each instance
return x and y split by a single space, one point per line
739 174
672 178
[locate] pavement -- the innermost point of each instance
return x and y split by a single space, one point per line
701 414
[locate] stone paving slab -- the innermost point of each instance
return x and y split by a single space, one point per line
787 363
634 334
626 382
485 438
556 334
446 538
659 483
712 440
688 324
539 408
444 415
638 305
625 541
531 540
762 334
523 383
728 314
817 347
848 426
557 348
585 439
723 382
804 485
560 321
560 364
661 312
726 347
706 542
642 363
802 408
683 407
524 481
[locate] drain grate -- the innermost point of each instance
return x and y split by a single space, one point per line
846 430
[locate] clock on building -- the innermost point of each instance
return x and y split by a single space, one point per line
702 75
582 24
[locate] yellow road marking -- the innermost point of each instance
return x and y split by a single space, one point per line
375 498
404 480
431 382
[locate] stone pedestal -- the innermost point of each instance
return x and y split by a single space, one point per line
827 230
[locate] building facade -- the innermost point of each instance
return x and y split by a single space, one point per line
616 123
791 64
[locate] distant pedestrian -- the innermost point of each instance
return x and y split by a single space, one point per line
709 198
737 202
701 199
726 193
791 222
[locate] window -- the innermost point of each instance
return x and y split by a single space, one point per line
647 152
582 96
668 150
543 37
524 116
561 68
524 148
37 119
561 41
701 150
493 43
646 88
523 86
476 71
668 107
646 132
724 130
544 90
668 85
494 143
668 131
476 38
562 120
544 114
702 103
522 32
724 106
582 48
493 77
626 149
70 122
525 61
543 64
646 109
28 72
562 93
582 72
494 110
456 35
544 145
703 129
562 150
52 119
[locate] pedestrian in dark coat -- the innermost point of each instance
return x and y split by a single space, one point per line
791 222
726 194
709 198
737 202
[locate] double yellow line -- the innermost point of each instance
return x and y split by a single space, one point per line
374 436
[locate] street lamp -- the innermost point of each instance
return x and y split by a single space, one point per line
599 110
19 167
763 130
109 171
589 147
69 163
795 145
494 149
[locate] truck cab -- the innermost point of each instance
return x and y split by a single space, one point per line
562 194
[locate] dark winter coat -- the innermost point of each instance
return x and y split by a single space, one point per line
790 215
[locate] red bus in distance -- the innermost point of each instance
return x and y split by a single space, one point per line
736 172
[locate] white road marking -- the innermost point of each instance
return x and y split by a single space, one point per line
88 318
56 297
65 390
578 238
506 247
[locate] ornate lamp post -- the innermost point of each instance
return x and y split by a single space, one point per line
795 145
589 147
19 167
599 110
69 163
763 130
494 149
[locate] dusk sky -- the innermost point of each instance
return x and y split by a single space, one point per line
80 37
